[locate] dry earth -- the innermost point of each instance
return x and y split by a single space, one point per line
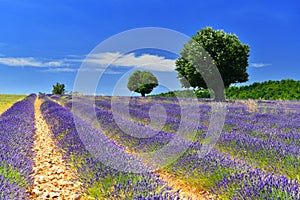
53 179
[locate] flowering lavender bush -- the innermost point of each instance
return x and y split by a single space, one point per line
16 140
255 184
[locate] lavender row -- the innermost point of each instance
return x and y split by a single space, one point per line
99 179
256 184
256 146
238 141
283 127
16 141
238 114
170 121
284 158
233 178
108 124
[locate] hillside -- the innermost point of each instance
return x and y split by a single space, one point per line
287 89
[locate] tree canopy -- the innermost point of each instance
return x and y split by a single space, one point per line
142 82
213 47
58 89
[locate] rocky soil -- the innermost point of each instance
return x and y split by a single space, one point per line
53 178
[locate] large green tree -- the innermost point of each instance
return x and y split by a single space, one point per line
142 82
58 89
209 48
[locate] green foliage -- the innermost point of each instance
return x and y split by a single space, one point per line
287 89
142 82
74 93
7 100
58 89
228 54
203 93
12 175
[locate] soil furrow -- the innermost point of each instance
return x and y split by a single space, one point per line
53 178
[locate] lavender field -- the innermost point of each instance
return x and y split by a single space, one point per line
256 156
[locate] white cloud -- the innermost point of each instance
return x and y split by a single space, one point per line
95 69
67 69
30 62
56 64
95 62
109 71
60 69
258 65
116 59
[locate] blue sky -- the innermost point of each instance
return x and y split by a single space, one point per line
44 42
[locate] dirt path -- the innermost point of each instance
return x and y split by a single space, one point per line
52 178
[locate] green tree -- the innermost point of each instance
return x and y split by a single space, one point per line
224 50
58 89
142 82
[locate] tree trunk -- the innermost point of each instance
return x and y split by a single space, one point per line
143 94
219 95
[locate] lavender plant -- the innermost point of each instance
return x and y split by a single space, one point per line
16 141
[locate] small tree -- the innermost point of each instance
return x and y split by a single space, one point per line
228 54
142 82
58 89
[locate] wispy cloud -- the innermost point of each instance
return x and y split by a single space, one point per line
94 62
258 65
105 71
60 69
30 62
112 72
116 59
68 69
